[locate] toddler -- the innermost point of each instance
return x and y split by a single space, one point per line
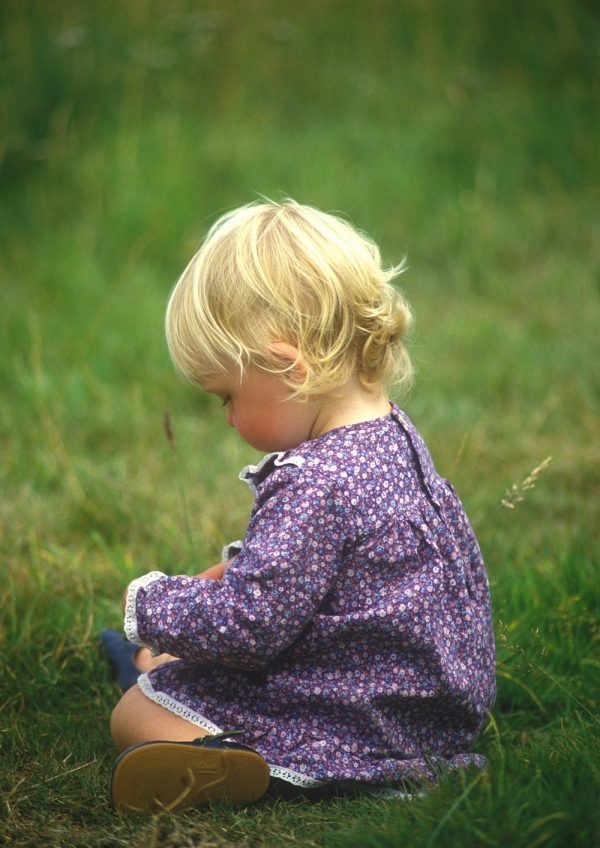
347 640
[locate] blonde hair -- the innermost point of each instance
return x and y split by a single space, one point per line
283 272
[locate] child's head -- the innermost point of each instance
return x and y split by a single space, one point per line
273 273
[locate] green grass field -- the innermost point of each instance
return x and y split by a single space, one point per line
464 135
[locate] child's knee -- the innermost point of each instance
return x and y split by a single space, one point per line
137 719
124 716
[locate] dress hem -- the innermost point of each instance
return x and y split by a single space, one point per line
186 713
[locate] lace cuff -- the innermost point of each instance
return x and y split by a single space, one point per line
131 629
231 550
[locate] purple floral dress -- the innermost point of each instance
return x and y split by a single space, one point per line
351 639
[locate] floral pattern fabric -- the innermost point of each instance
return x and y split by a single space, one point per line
351 638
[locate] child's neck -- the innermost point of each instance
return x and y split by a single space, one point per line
355 405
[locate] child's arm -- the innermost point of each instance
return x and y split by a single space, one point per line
146 662
215 572
288 563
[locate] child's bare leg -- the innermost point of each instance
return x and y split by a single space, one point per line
137 719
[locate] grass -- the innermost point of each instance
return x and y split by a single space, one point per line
463 135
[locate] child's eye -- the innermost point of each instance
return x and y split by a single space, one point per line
225 401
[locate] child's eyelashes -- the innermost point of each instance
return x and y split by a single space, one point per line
225 401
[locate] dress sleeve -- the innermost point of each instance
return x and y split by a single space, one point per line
288 563
130 622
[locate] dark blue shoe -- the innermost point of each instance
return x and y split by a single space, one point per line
120 655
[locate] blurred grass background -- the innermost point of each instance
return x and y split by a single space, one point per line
464 135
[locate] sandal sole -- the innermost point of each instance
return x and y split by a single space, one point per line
167 776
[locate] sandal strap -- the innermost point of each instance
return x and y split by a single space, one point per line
226 734
222 740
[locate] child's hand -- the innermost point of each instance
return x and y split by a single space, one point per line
216 572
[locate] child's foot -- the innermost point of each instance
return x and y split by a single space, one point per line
127 661
121 658
168 776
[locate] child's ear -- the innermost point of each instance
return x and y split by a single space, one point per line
291 353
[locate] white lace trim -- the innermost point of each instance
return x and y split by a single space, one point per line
164 700
130 625
294 777
312 783
231 550
250 471
282 459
